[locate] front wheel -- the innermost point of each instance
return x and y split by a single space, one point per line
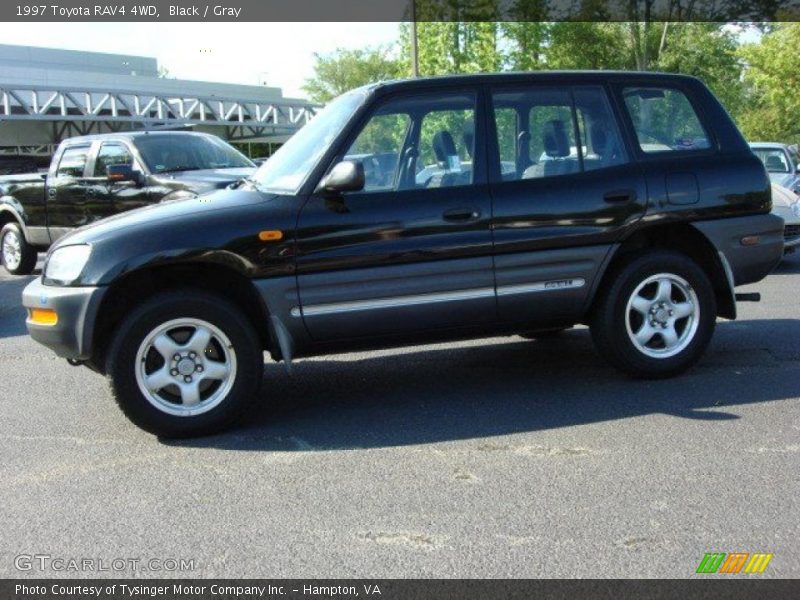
657 317
185 363
19 257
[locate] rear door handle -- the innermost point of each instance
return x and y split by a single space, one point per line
51 192
616 196
461 214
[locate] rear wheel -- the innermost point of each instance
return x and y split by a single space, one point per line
19 257
657 317
185 363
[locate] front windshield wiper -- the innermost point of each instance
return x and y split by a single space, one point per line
182 168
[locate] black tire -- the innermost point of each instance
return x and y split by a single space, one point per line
121 362
544 334
28 253
609 324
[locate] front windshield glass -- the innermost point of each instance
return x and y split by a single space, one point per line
774 159
288 168
164 153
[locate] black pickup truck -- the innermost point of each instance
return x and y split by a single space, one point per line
93 177
418 211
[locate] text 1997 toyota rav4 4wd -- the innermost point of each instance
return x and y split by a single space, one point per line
425 210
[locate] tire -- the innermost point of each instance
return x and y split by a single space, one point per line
680 314
544 334
172 347
19 257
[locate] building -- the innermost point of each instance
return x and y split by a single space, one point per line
47 95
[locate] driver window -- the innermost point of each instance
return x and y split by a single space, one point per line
111 154
378 148
418 142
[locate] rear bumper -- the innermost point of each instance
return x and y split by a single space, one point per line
76 307
752 262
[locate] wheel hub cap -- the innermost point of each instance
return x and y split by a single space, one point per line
186 366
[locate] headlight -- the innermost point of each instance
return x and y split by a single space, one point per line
65 264
796 209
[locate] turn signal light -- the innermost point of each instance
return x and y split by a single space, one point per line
750 240
270 235
43 316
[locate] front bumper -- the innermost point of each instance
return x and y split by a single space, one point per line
71 336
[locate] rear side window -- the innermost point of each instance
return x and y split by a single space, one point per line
537 135
73 162
664 120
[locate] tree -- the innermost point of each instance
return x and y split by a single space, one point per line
773 75
346 69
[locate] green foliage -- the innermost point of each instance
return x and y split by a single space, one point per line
346 69
772 77
754 82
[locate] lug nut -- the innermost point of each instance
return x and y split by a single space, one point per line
192 355
177 357
199 368
174 372
187 379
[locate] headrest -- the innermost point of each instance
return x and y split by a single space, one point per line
444 147
468 135
556 142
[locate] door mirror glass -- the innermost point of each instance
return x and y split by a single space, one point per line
121 173
346 176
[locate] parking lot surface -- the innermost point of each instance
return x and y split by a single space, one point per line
490 458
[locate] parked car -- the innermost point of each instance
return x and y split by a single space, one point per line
786 204
176 302
94 177
781 162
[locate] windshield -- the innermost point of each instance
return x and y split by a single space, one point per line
163 153
774 159
288 168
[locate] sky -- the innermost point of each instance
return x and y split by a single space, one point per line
282 54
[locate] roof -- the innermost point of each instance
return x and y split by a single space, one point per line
520 76
768 145
132 135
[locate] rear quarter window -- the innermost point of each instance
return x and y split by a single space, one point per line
664 120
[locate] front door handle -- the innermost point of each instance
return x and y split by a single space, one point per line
51 192
619 196
461 214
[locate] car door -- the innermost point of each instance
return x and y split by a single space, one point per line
563 189
107 197
412 250
66 191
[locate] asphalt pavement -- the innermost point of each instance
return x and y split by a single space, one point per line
490 458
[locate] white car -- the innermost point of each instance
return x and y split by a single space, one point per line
786 204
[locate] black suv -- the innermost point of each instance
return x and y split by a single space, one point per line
425 210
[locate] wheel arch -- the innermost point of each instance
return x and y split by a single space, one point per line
133 288
683 238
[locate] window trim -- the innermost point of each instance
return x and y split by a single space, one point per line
627 120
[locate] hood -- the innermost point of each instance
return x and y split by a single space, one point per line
783 197
787 180
178 211
209 179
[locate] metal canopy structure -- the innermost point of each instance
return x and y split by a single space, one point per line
80 111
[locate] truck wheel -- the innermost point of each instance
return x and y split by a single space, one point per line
657 317
185 363
19 257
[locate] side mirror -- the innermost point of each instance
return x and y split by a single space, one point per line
346 176
121 173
